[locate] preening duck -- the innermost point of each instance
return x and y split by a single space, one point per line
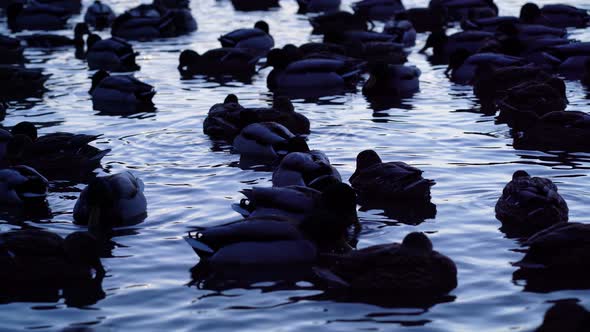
217 62
257 40
120 94
99 15
402 29
20 185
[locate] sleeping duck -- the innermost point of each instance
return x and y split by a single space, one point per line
565 315
21 82
556 15
120 94
374 179
111 201
111 54
267 142
20 185
529 204
316 6
337 22
411 269
36 256
397 81
99 15
311 169
11 50
462 67
253 5
566 131
257 40
227 119
36 16
147 22
217 62
56 155
378 9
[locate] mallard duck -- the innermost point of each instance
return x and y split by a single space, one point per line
410 269
374 179
57 155
112 54
34 255
565 315
427 19
392 81
147 22
227 119
252 5
566 131
573 58
443 46
529 204
458 10
337 22
20 185
402 29
556 15
268 141
21 82
36 16
315 6
378 9
111 201
11 50
462 67
120 94
217 62
99 15
312 169
44 40
257 40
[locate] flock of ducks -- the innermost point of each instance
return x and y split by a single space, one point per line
308 218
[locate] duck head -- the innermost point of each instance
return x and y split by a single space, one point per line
83 248
231 99
101 199
292 52
25 128
529 12
187 58
456 60
417 242
366 159
98 77
262 25
283 104
520 174
277 58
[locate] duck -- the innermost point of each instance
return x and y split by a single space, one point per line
112 54
462 66
120 94
565 315
235 62
172 4
11 50
37 256
530 204
57 155
555 15
410 269
99 15
148 22
20 82
308 169
267 141
111 201
20 185
392 81
378 9
249 5
44 40
402 29
425 19
458 10
317 6
443 46
36 16
573 57
337 22
227 119
72 6
566 131
374 179
257 40
488 24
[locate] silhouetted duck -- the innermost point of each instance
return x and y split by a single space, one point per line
99 15
557 15
489 24
252 5
36 16
466 9
462 67
374 179
427 19
217 62
147 22
21 82
44 40
312 169
257 40
111 201
57 155
443 46
268 141
565 315
34 255
392 81
402 29
11 50
315 6
337 22
410 269
120 94
378 9
566 131
20 185
573 58
72 6
529 204
111 54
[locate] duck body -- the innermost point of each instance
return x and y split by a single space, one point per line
257 40
427 19
147 22
529 204
21 82
443 46
567 131
336 22
573 58
267 141
316 6
72 6
20 185
393 81
120 94
112 201
111 54
218 62
99 15
556 15
310 169
465 73
458 10
249 5
11 50
378 9
43 257
36 16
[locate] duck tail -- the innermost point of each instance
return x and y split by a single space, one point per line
201 248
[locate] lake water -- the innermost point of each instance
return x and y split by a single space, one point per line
191 182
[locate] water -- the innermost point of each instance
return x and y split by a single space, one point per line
191 182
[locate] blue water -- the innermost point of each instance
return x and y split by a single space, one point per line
190 182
